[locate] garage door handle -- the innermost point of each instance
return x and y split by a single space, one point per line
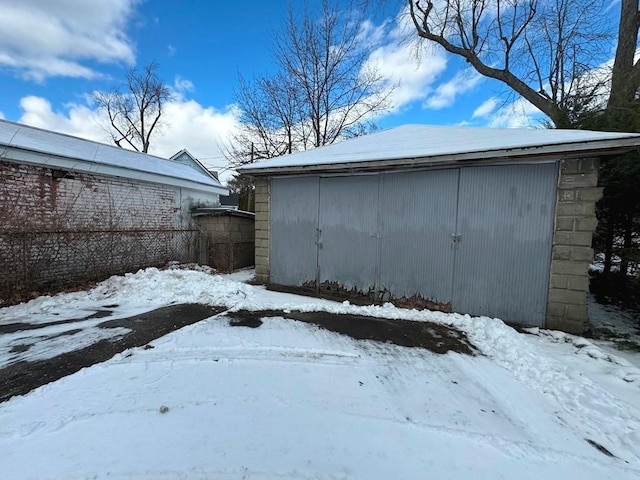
456 238
319 237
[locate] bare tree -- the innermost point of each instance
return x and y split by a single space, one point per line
270 118
323 89
543 50
134 114
327 61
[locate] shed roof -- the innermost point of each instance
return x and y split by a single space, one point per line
43 147
428 145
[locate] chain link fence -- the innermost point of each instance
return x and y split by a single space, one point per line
51 261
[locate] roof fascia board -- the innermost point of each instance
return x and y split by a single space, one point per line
566 150
176 155
405 168
34 158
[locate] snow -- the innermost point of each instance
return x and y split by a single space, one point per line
290 400
53 341
421 141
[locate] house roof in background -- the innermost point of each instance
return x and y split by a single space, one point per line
55 150
426 145
185 157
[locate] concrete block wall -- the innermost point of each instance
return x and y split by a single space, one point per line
575 224
61 228
236 229
262 230
228 241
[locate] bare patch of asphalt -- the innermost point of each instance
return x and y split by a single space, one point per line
405 333
21 377
18 326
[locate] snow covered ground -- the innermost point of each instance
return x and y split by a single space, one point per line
290 400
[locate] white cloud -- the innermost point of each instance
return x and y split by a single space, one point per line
204 131
409 65
182 86
518 114
487 107
445 94
78 120
371 33
57 37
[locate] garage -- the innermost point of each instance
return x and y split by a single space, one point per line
479 221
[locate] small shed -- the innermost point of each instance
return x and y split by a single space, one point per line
227 237
494 222
73 210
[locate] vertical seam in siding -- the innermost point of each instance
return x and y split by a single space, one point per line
318 238
379 235
455 245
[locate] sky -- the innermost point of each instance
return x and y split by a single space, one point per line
55 53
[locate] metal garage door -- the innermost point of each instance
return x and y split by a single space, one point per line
293 230
348 223
419 216
505 224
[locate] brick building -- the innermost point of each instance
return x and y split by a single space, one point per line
73 210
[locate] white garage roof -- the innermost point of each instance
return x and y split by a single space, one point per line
428 145
55 150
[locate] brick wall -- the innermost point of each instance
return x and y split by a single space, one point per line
572 253
61 228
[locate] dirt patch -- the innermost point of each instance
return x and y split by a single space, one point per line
334 291
22 377
245 319
420 303
431 336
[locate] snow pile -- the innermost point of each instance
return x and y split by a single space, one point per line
146 289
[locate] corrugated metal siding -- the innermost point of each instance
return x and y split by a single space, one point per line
419 213
293 222
392 233
505 220
349 229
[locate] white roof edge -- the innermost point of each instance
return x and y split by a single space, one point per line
77 165
177 154
561 149
93 152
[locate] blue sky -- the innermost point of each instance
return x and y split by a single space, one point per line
55 53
